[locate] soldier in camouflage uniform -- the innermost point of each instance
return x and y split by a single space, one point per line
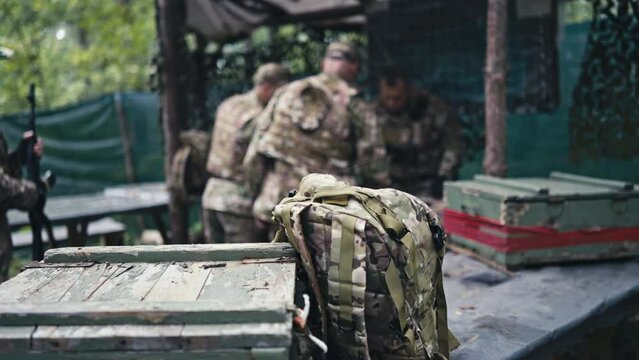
316 124
14 193
226 201
422 136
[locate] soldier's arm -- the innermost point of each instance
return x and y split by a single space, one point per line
372 160
453 152
17 193
11 161
255 164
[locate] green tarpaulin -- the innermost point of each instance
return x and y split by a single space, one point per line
83 142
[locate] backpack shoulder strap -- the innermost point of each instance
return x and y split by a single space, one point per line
289 213
347 284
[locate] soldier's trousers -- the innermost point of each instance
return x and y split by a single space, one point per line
5 247
220 227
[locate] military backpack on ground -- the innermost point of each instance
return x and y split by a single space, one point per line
373 259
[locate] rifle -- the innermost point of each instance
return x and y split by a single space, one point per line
37 217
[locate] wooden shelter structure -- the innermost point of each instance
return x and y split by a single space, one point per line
182 72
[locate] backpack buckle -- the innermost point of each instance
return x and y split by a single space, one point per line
439 237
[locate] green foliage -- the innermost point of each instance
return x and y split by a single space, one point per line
577 11
74 49
299 47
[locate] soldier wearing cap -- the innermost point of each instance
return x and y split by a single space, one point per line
422 136
317 124
226 202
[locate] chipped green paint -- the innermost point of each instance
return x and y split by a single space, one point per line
238 354
151 313
165 302
562 201
515 260
168 253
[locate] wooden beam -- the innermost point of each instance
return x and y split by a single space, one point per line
125 137
495 155
200 83
160 253
226 354
141 313
170 27
154 337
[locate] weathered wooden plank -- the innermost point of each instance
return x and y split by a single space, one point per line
159 337
102 227
169 253
501 182
239 354
239 336
618 185
180 282
132 313
110 338
89 207
54 290
40 334
27 283
15 338
132 282
251 283
585 252
90 280
269 354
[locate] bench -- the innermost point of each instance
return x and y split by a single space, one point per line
112 231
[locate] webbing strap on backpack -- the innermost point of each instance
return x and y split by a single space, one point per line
293 227
347 284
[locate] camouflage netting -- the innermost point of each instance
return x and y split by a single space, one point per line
546 48
441 44
604 118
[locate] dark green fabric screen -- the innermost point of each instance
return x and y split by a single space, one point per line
83 143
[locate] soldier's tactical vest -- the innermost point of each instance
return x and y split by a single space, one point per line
232 132
373 258
310 126
188 169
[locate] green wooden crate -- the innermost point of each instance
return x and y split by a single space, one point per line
564 217
225 301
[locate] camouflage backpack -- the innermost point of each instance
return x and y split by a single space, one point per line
373 260
188 169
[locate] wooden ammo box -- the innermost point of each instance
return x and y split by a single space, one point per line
523 221
226 301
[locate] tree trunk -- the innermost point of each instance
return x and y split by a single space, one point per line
495 89
170 34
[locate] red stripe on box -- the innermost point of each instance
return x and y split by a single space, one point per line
509 239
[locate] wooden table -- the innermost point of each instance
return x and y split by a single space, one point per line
76 211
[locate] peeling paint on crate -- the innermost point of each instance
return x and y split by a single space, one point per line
229 300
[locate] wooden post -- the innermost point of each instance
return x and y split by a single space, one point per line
125 137
495 154
127 146
199 89
173 112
